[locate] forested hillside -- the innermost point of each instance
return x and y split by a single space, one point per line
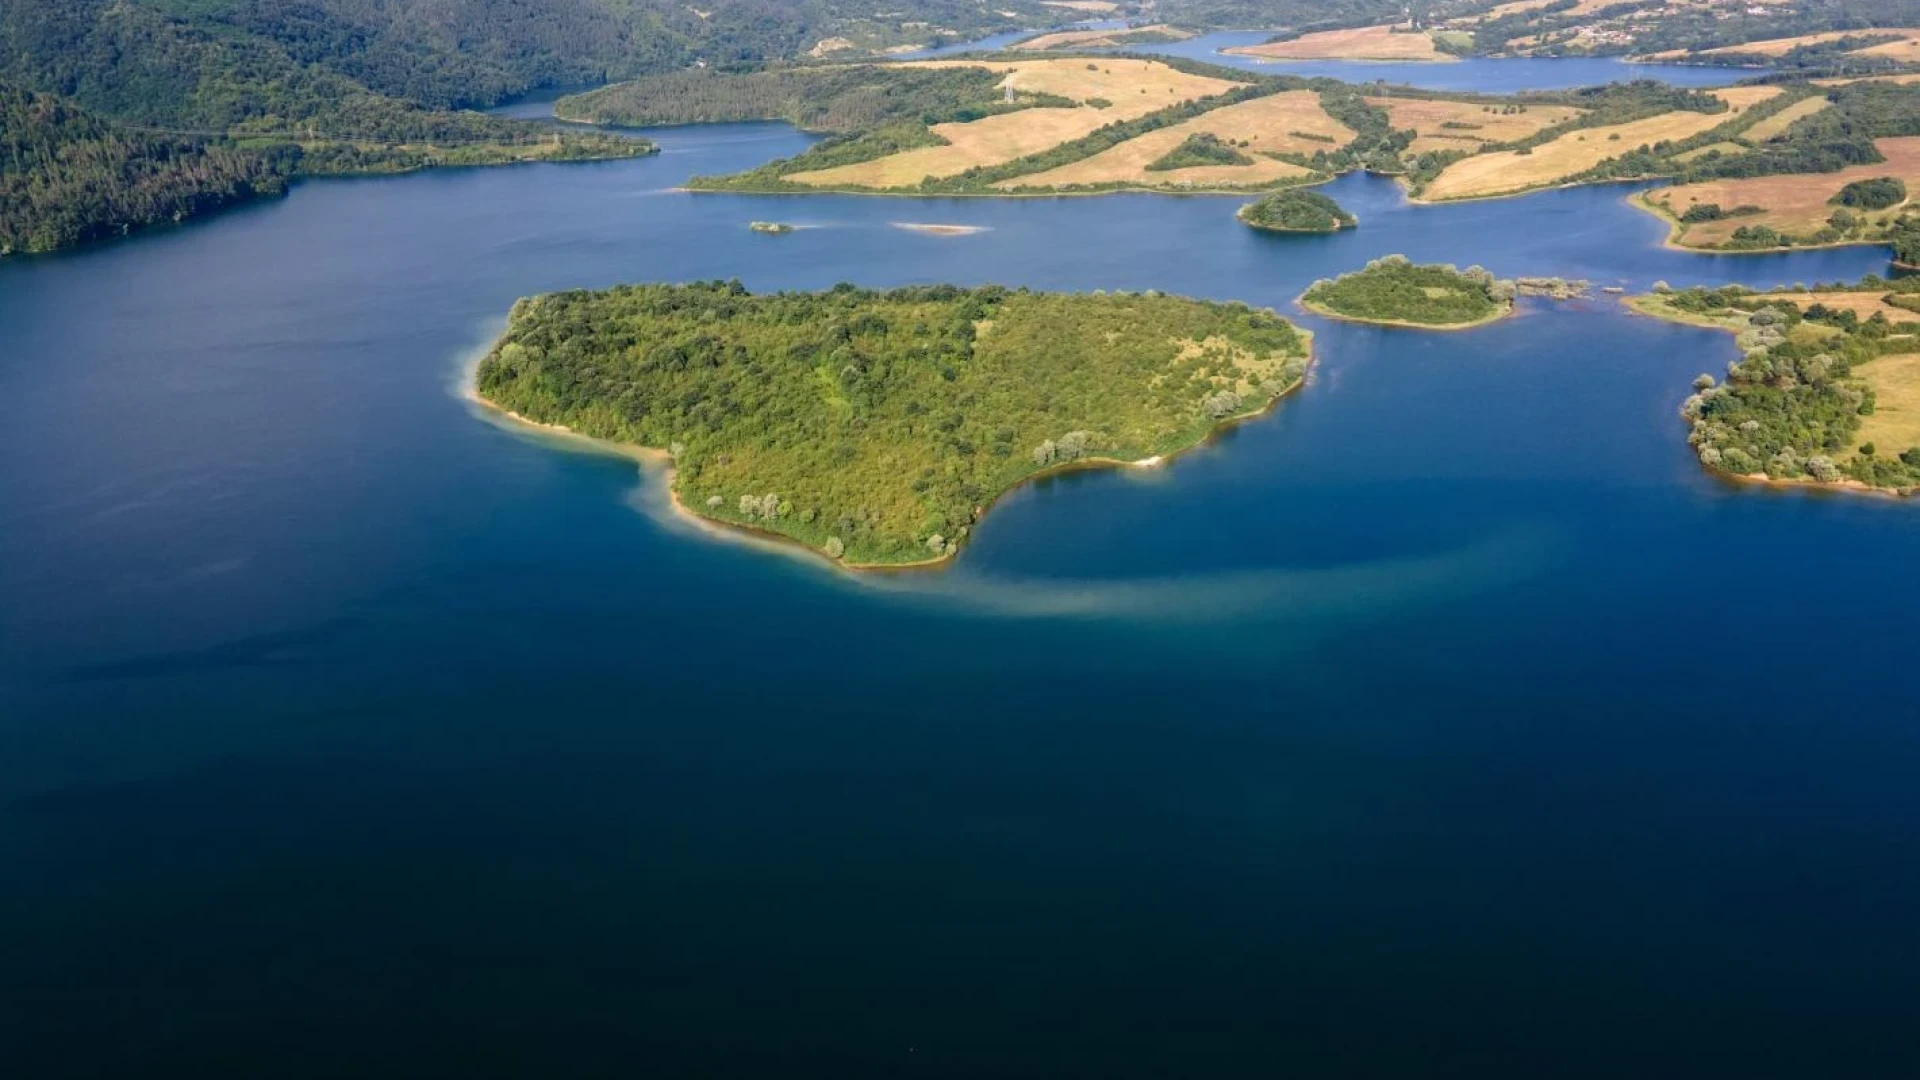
67 177
219 63
819 98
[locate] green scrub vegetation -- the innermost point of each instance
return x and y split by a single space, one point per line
1395 291
1876 194
1297 211
1811 375
879 426
1201 148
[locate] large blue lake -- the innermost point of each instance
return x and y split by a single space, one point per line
1447 721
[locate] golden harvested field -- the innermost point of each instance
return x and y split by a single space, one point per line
1267 123
1779 122
1795 203
1506 172
1906 50
1091 39
1894 424
1898 80
1742 98
1864 304
1135 88
1781 46
1081 5
1725 149
1427 119
1362 43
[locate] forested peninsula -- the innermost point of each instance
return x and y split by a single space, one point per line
1826 390
877 427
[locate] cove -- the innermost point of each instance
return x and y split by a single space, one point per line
1449 714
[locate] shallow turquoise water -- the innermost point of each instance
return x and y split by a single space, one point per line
1447 720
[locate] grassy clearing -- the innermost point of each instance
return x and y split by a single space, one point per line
1779 122
1429 120
1894 424
1360 43
1897 80
1118 80
1081 5
1509 172
1906 50
1130 87
1724 149
1271 124
1782 46
1796 204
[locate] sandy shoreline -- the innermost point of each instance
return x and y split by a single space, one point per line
1304 304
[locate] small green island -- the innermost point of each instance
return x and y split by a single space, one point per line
877 427
1827 388
1393 290
771 228
1297 211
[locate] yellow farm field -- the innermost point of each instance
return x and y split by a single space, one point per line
1506 172
1779 122
1267 123
1723 149
1897 80
1428 119
1134 87
1362 43
1894 424
1795 204
1782 46
1091 39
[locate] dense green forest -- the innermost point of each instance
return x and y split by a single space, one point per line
1297 211
66 177
878 426
1878 193
838 98
127 112
1791 407
1395 290
218 63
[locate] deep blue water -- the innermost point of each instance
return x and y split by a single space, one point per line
1447 721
